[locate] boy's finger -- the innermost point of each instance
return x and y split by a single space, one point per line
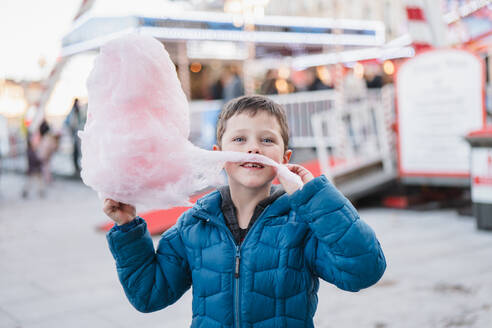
128 208
110 205
301 171
294 168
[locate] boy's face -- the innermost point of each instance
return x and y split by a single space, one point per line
258 134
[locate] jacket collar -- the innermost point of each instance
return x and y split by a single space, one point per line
208 207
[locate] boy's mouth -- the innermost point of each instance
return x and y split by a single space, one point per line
251 165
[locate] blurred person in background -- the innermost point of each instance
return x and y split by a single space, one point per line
46 148
268 86
217 89
316 83
34 163
74 123
232 84
373 76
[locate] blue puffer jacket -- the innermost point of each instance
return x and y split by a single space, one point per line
271 280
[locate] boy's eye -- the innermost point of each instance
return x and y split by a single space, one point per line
268 140
238 139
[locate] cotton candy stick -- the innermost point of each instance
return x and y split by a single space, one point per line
135 146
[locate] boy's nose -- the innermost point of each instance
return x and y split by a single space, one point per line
254 149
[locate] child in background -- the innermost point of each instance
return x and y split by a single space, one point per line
253 252
46 149
40 147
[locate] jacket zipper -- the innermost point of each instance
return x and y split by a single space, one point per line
236 275
237 258
238 263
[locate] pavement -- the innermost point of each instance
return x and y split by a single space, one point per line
56 269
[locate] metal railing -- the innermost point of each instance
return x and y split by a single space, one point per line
356 134
300 108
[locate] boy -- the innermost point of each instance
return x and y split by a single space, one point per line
253 252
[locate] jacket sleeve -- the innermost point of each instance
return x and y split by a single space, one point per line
151 280
341 248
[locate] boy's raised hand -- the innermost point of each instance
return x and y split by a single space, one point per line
120 213
302 172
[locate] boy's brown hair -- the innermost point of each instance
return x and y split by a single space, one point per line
251 105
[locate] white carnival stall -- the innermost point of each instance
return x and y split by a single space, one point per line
440 99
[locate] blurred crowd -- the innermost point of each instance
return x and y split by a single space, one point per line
226 83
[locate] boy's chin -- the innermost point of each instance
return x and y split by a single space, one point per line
254 183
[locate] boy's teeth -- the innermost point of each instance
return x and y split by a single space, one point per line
252 165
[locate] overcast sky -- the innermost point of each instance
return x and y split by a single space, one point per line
29 30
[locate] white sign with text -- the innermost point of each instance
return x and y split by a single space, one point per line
440 100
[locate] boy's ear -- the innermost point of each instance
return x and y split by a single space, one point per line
215 147
287 155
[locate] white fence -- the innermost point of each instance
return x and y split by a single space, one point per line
357 133
300 108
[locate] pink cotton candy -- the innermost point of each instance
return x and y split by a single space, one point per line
135 146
